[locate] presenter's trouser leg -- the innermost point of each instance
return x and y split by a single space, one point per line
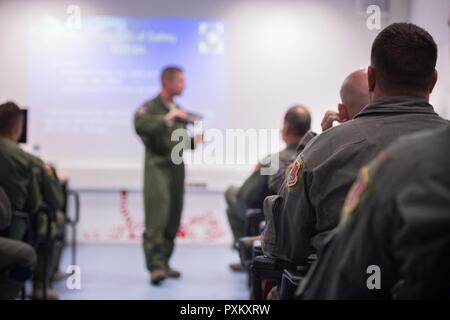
163 201
176 207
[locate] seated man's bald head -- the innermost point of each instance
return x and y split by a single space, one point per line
355 92
297 122
354 97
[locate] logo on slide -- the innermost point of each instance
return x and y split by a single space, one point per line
211 37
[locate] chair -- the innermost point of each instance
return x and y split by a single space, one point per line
277 272
72 221
29 240
289 283
254 218
268 270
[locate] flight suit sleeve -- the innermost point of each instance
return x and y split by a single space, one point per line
290 218
147 123
254 189
52 192
34 199
5 210
363 266
300 215
422 240
49 186
275 181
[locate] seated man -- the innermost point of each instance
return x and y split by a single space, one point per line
17 259
28 183
251 194
354 97
394 237
276 180
16 170
401 77
52 195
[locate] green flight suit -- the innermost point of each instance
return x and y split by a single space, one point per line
309 202
163 182
396 216
16 257
52 195
20 186
19 183
252 192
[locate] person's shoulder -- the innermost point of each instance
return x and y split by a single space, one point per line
413 157
34 160
285 154
17 156
156 100
12 149
151 105
424 149
326 143
412 163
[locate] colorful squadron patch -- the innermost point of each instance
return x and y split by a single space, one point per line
354 195
142 110
292 178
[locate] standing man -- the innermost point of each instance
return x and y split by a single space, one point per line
155 121
16 169
28 183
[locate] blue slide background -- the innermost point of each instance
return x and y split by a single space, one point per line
84 85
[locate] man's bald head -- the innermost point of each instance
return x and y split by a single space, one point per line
355 92
297 121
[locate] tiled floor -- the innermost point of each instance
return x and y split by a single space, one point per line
118 272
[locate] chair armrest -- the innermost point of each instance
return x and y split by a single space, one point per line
253 219
76 196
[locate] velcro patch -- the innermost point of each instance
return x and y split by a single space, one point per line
354 195
142 110
293 178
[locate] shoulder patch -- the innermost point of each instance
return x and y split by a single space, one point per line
48 170
142 110
354 194
293 178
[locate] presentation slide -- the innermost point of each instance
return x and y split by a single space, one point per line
85 84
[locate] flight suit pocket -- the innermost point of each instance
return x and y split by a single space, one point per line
272 205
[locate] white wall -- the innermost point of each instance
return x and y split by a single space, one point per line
434 17
278 53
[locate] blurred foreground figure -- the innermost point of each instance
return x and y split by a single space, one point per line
393 241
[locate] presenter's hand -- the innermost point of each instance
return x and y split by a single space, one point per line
175 114
330 117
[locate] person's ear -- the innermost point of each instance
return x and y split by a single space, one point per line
284 130
371 78
343 113
18 131
434 79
